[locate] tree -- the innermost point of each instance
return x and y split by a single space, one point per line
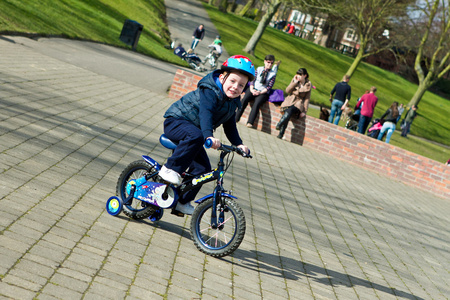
434 47
369 18
246 7
272 7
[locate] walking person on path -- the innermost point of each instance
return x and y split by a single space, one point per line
340 101
197 36
370 101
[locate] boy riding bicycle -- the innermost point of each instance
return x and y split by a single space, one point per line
192 119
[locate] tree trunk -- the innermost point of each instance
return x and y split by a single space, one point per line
246 7
421 89
223 6
233 6
356 62
211 2
437 67
265 20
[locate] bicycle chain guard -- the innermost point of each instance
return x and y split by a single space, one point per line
155 193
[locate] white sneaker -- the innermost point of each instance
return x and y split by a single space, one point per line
170 175
187 208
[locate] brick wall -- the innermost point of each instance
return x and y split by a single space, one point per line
183 82
344 144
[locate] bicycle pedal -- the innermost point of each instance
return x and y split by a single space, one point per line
177 213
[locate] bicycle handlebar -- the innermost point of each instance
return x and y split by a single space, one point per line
208 144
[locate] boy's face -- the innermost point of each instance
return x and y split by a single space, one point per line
268 64
234 84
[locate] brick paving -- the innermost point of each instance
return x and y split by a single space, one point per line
317 227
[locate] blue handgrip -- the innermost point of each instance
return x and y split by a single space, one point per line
208 143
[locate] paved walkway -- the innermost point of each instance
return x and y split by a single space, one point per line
317 227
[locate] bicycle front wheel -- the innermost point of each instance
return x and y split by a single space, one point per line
228 235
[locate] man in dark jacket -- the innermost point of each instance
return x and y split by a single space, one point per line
197 36
341 98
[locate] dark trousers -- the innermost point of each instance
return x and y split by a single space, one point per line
405 129
288 113
363 124
189 152
259 100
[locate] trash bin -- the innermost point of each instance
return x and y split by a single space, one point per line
131 32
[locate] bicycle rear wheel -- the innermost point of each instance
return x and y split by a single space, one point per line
223 240
135 209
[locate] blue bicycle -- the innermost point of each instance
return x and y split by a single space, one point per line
217 224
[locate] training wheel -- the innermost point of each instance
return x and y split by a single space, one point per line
157 215
114 206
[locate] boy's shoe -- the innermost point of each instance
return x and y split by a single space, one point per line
170 175
249 125
187 208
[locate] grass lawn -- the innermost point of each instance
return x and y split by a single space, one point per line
102 21
99 20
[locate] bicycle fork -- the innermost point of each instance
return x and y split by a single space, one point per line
217 221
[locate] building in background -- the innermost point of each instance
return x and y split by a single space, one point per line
318 30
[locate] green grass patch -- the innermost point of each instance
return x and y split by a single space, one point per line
100 21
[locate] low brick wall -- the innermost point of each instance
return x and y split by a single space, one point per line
183 82
344 144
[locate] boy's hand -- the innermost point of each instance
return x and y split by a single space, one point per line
244 149
215 142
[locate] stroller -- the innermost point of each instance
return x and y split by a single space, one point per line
374 130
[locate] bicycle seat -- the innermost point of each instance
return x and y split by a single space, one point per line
166 142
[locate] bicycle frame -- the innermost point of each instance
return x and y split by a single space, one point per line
190 182
219 191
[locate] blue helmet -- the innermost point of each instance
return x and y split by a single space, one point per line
240 63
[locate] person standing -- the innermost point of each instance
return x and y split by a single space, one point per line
401 109
197 36
259 89
390 121
341 98
288 25
292 28
296 104
370 101
409 118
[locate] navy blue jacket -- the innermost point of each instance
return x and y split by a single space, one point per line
207 108
343 91
199 34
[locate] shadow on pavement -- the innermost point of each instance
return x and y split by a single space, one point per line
291 269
